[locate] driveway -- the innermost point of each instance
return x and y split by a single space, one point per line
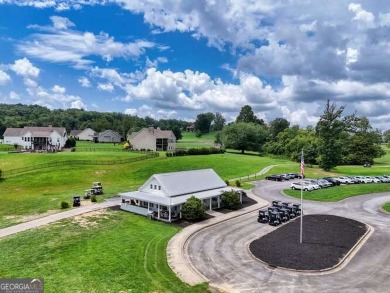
220 253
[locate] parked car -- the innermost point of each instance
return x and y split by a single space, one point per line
367 165
353 180
324 183
344 180
313 183
362 179
295 175
301 186
334 181
286 176
275 177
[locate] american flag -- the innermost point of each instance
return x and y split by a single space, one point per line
302 165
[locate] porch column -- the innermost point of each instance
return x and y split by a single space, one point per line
210 203
219 201
241 197
180 210
169 213
158 211
148 206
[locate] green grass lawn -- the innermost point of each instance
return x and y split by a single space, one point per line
114 251
190 140
91 144
33 193
337 193
386 207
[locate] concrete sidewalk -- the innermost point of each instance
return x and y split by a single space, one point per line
56 217
177 247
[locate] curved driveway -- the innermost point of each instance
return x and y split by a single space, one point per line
220 253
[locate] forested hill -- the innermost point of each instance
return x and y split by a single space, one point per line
33 115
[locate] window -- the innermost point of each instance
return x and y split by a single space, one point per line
159 187
151 205
151 186
155 187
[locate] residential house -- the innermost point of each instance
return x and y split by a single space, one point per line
163 195
37 138
86 134
153 139
108 136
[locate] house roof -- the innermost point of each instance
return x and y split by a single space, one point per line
186 182
157 132
35 131
109 132
75 132
171 201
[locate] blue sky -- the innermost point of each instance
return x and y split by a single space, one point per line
175 59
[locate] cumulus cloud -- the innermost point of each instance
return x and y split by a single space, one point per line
58 89
148 111
4 77
363 17
14 96
84 82
108 87
24 67
77 104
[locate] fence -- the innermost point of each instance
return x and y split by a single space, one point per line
107 149
8 173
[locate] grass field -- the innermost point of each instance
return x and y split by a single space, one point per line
31 194
340 192
190 140
90 144
386 207
113 251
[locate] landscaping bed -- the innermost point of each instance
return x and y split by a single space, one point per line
326 240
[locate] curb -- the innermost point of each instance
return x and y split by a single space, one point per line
177 246
341 264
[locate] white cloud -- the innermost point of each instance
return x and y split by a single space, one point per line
108 87
25 68
78 105
84 82
58 89
60 44
131 111
14 96
363 17
147 111
61 23
4 77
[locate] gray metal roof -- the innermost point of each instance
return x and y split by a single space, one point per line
187 182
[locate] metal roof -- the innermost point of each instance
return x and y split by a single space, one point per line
186 182
35 131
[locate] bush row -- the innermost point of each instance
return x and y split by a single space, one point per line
195 151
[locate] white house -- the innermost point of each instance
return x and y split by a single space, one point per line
86 134
153 139
163 195
37 138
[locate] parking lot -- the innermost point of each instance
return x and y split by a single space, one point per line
221 253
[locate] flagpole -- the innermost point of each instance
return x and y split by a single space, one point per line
302 174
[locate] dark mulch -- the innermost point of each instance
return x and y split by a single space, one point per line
326 240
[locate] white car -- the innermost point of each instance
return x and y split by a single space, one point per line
363 179
344 180
312 183
300 186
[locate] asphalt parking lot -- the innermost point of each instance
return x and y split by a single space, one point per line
221 254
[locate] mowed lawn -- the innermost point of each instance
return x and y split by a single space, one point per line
190 140
31 194
386 207
112 251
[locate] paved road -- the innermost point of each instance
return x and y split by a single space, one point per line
220 253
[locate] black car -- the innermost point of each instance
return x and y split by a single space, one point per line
332 180
275 177
296 175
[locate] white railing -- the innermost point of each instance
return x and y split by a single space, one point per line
134 209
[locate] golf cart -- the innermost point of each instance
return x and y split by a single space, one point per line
97 188
277 203
297 208
263 217
88 193
274 219
76 201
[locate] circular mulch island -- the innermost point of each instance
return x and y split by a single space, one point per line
326 240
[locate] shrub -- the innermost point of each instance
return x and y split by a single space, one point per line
64 205
227 182
73 150
193 209
70 142
93 198
238 183
231 200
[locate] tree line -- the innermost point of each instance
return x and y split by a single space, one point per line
34 115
